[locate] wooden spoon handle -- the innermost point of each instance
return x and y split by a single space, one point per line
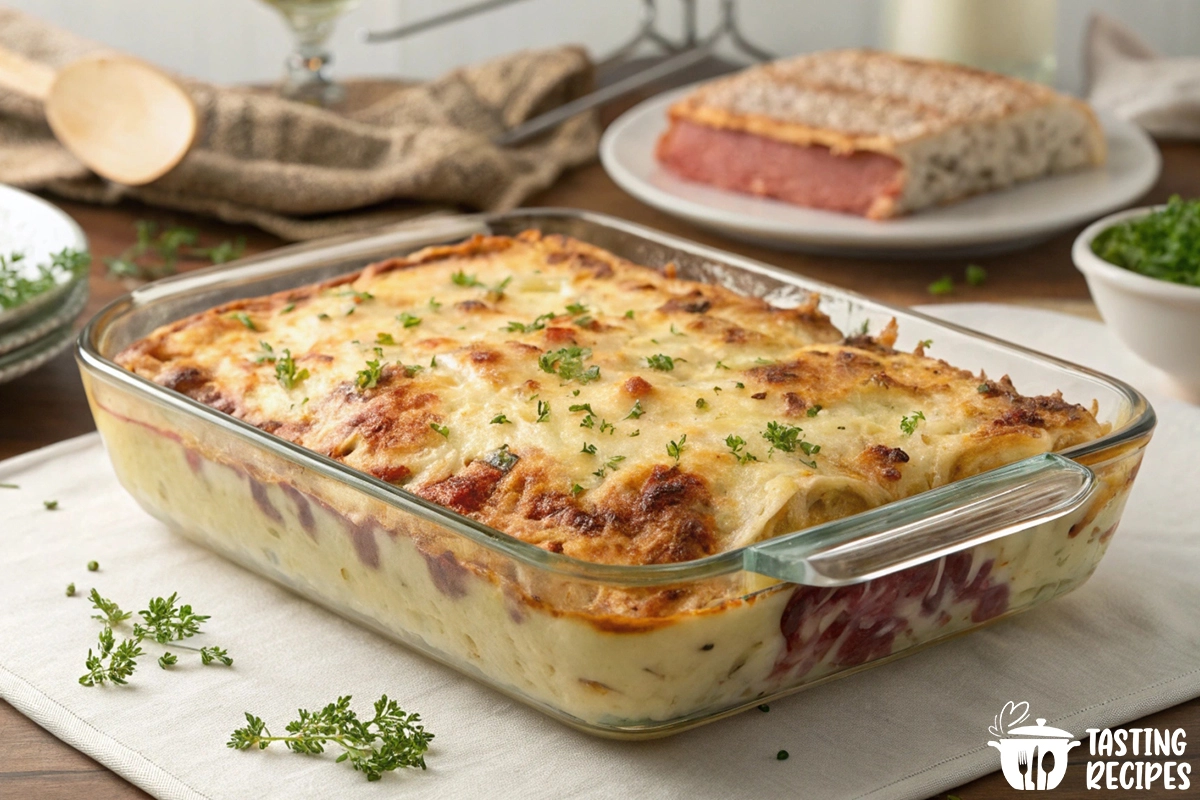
23 76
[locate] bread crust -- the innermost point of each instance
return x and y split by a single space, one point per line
910 109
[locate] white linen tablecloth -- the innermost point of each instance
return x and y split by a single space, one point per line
1124 645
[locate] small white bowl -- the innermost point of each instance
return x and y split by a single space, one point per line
1157 319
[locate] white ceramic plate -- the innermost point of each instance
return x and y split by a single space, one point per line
49 318
31 356
994 222
30 225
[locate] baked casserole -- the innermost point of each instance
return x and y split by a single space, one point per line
613 414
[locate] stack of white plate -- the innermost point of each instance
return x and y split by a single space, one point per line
37 328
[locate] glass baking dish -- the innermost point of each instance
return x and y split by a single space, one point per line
777 616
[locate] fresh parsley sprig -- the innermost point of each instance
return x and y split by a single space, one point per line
390 740
16 288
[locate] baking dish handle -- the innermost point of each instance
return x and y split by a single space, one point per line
890 538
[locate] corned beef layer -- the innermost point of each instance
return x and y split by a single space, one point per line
805 175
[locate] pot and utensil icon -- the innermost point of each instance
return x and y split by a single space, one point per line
1032 757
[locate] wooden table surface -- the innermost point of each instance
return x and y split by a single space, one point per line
48 405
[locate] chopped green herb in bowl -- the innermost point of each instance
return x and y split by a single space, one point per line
1163 244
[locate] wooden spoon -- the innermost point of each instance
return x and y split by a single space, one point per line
121 117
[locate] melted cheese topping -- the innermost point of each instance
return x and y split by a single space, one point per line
595 407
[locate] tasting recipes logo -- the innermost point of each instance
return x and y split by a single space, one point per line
1034 757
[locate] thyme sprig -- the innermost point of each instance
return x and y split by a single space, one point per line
392 739
164 620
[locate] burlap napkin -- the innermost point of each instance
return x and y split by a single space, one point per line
392 151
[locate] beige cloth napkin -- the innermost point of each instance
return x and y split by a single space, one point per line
1122 646
393 152
1126 75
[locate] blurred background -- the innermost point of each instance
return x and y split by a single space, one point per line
232 41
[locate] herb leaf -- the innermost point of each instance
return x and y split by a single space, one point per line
909 424
660 362
286 372
390 740
568 363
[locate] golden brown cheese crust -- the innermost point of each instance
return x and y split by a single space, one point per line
595 407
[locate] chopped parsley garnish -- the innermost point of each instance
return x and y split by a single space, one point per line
323 317
70 590
865 328
93 566
497 291
585 321
576 308
976 275
568 363
675 449
461 278
787 438
737 446
50 505
500 419
385 338
761 360
702 404
926 343
581 407
660 362
590 449
412 369
538 324
638 432
434 304
408 320
721 365
676 332
576 489
813 411
629 314
244 318
942 286
543 411
368 378
909 424
433 362
589 421
359 297
286 372
266 354
609 466
636 411
1164 244
740 385
605 425
289 308
983 388
442 430
502 459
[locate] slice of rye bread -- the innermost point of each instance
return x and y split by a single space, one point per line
952 132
